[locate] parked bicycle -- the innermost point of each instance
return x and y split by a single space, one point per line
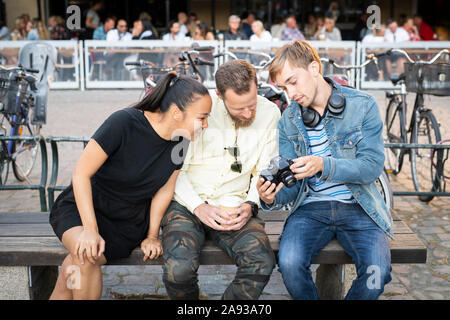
17 102
421 77
188 64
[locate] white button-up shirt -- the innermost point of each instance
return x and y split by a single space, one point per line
206 174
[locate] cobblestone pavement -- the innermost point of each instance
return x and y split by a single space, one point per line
76 113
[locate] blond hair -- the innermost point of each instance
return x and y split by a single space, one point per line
298 53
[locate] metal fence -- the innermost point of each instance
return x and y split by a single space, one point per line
68 66
378 78
99 64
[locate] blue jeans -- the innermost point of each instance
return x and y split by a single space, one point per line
309 229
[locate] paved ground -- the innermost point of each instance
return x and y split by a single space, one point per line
76 113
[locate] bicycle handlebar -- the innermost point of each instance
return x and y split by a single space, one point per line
19 68
133 63
198 61
204 48
370 58
262 65
406 55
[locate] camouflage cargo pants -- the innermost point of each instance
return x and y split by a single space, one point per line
183 238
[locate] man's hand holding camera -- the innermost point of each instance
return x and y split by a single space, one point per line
306 166
273 179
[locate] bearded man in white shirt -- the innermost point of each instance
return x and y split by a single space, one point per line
224 161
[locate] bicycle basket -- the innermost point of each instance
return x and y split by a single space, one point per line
10 105
428 78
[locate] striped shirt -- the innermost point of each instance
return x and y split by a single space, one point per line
324 191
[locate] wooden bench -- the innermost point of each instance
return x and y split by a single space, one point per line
30 254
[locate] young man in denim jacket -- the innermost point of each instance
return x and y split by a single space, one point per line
334 136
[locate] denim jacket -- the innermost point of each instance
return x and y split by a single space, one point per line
357 154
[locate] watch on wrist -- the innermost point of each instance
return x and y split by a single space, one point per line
254 206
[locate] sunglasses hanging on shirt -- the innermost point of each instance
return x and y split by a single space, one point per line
236 166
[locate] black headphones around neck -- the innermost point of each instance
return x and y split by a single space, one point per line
335 105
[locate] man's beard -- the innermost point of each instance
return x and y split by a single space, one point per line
243 123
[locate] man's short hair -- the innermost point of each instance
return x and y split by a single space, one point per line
298 53
234 17
291 15
389 21
236 75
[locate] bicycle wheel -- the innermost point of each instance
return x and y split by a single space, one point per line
425 177
385 189
25 152
396 133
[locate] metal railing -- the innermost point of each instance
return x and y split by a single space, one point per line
68 64
44 169
441 178
52 187
98 64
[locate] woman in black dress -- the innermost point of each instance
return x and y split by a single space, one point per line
124 182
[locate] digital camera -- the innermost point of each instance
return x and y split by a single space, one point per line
279 171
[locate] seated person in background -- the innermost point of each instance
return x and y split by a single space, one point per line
426 33
202 32
101 32
394 33
376 36
183 20
57 29
238 143
311 26
146 15
234 33
329 32
115 60
277 27
174 32
291 31
247 19
120 33
409 27
395 62
259 34
372 71
32 32
142 30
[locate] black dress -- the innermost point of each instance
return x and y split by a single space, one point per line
139 163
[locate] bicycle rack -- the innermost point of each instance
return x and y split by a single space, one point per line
442 192
44 168
52 187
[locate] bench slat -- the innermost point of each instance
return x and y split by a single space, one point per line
45 230
42 217
26 251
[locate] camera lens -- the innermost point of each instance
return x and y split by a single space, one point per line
288 179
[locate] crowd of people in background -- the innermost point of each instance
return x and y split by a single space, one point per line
319 26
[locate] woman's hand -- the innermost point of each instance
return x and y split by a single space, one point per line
152 248
91 244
